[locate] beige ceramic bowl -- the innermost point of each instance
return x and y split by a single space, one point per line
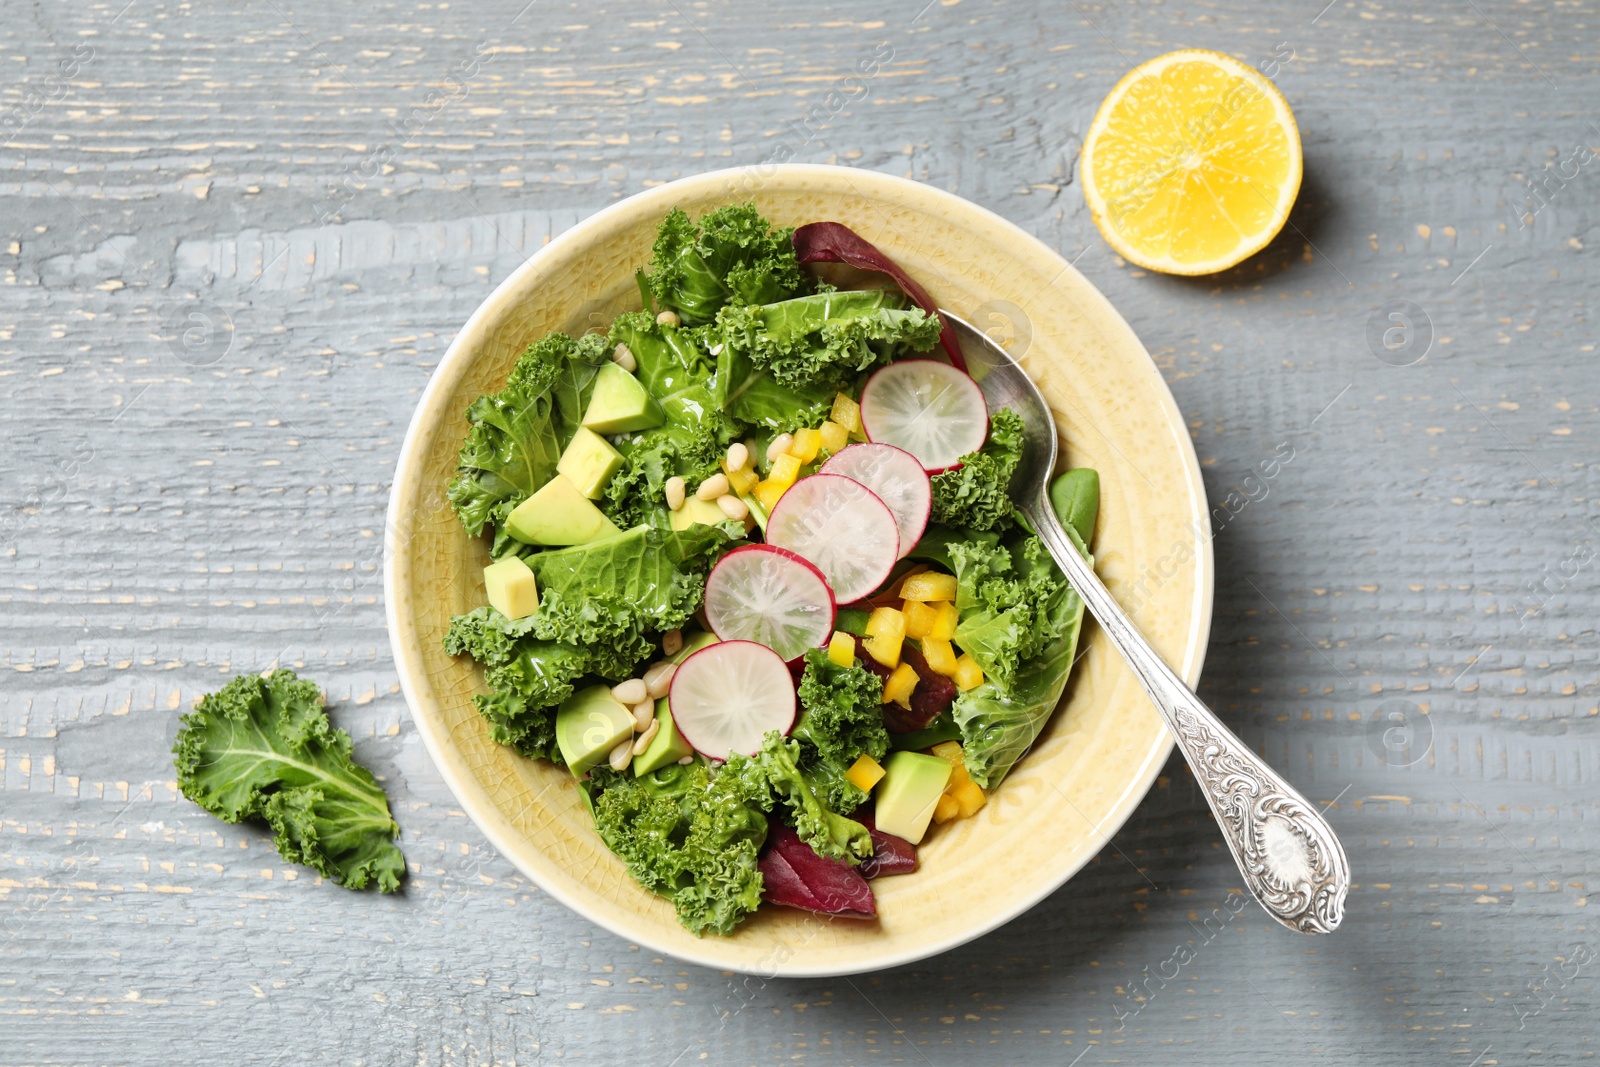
1105 744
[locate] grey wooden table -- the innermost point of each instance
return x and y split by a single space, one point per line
1404 612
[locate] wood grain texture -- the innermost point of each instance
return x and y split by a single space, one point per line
173 515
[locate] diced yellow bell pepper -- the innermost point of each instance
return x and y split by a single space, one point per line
742 480
847 413
807 443
969 797
951 753
768 492
842 649
946 808
968 674
929 586
885 622
786 468
919 619
864 773
898 686
939 654
834 436
945 620
884 649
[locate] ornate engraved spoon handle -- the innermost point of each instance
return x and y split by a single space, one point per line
1289 855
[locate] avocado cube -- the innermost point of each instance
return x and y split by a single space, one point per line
589 724
695 510
668 745
693 643
513 590
912 785
559 514
589 462
619 404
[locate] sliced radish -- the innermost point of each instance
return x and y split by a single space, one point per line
726 697
896 478
771 596
842 527
928 408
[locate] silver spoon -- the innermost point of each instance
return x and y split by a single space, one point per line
1287 852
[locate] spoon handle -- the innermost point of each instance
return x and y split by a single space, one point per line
1287 852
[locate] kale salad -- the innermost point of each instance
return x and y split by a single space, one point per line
759 581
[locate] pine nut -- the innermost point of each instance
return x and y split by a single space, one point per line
780 444
668 318
622 356
738 456
644 713
685 761
712 487
630 692
733 507
658 679
622 755
642 742
672 642
677 489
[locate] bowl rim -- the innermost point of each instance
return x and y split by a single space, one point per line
410 673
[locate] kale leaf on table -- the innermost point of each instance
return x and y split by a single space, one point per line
262 747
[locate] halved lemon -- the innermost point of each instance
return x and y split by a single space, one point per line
1192 163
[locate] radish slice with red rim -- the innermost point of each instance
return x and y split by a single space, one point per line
895 477
771 596
842 527
726 697
930 409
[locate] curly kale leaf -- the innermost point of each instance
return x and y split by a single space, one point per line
732 256
751 397
841 720
516 435
531 676
843 716
774 773
977 495
1006 593
636 493
668 359
1020 619
826 341
686 835
617 589
675 366
264 748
